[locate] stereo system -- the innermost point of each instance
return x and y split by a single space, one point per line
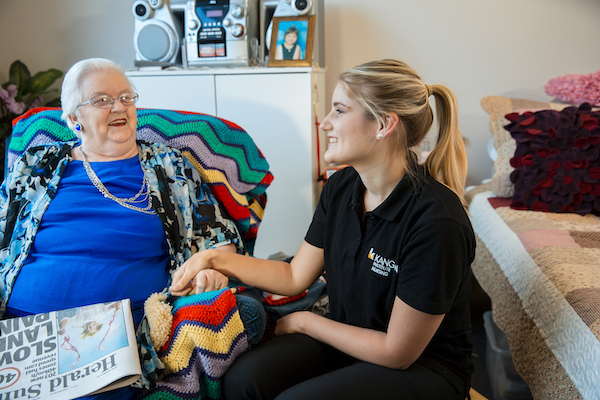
214 32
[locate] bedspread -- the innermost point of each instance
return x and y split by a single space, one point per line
542 272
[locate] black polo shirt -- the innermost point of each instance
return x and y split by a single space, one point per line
417 245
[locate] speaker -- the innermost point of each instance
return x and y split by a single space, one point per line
157 33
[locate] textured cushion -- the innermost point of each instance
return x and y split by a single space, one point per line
576 88
497 107
224 154
557 160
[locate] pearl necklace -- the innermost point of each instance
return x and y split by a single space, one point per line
142 196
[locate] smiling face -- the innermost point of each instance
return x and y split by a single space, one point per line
291 38
109 131
351 134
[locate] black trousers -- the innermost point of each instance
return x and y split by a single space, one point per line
299 367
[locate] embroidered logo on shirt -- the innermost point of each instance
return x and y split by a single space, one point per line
381 265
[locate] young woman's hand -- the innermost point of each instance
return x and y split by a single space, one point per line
294 322
195 276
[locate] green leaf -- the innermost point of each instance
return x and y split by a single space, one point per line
42 81
19 75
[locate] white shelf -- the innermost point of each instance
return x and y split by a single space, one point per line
224 71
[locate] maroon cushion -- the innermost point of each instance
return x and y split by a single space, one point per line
557 161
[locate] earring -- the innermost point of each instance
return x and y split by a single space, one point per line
78 127
379 136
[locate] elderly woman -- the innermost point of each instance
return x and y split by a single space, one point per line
105 217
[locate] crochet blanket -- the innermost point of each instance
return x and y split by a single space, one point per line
224 154
541 271
207 335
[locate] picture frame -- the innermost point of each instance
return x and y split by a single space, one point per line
291 53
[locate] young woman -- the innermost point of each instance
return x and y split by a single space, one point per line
395 244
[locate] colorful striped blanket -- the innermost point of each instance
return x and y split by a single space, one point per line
224 154
207 335
542 272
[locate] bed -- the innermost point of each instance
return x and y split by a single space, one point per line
538 250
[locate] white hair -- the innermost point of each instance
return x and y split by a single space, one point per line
71 95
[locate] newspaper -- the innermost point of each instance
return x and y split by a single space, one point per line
67 354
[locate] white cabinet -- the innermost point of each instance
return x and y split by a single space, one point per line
176 92
279 108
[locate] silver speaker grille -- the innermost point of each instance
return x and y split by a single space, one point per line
154 43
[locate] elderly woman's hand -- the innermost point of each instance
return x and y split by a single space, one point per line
205 281
208 280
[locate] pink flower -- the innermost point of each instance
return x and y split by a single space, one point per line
576 88
37 102
4 95
8 95
12 90
16 107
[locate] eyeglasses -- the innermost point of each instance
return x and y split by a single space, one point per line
105 101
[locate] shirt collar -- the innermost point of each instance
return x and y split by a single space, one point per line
395 202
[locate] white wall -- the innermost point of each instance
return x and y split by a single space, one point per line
477 47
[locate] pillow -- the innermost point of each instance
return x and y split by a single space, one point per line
497 107
225 155
576 88
557 160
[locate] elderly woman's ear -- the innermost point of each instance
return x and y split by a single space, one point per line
71 121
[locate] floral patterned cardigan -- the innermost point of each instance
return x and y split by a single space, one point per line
190 215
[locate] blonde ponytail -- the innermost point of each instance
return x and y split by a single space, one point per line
448 159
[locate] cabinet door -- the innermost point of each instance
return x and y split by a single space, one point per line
176 92
275 110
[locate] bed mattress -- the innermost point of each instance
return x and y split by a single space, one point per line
542 273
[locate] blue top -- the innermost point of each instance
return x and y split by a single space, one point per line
87 243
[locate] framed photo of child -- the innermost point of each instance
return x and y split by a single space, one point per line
292 41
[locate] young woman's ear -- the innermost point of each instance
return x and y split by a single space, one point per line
388 124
